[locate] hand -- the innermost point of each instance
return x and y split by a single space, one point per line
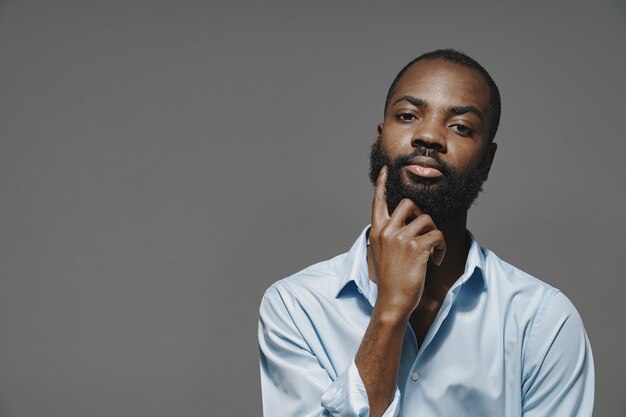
401 251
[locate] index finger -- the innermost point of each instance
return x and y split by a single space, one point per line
380 212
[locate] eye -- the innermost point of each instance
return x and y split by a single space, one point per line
462 129
406 117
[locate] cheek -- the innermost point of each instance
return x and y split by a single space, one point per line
466 156
396 141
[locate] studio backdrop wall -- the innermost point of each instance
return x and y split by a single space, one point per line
162 163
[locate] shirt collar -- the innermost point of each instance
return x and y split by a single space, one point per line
352 263
353 267
475 266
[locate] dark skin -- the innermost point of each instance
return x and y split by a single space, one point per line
414 262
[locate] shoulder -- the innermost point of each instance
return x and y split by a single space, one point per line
321 282
514 284
321 279
527 301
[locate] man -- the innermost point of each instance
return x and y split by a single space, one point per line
417 319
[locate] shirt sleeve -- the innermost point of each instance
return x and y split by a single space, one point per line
559 375
293 382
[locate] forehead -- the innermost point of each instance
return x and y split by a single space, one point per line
444 83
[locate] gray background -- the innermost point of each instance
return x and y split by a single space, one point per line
162 163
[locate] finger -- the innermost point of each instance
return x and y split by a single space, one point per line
417 211
380 213
438 245
407 211
403 214
422 224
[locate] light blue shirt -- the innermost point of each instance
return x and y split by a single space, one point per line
503 344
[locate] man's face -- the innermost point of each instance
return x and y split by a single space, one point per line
434 139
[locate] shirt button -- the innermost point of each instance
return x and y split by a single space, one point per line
415 376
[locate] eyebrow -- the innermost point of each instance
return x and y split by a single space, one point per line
418 102
466 109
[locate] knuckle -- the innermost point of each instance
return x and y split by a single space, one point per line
413 246
426 218
385 234
399 238
435 236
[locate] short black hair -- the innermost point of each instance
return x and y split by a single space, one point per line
452 55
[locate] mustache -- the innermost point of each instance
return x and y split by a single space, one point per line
446 169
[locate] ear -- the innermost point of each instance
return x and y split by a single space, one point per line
490 155
379 131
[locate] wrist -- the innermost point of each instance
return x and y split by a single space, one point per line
396 305
390 315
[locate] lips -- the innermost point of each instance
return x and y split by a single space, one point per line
424 166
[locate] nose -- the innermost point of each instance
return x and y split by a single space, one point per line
429 134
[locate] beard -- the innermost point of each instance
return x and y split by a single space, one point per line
443 198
